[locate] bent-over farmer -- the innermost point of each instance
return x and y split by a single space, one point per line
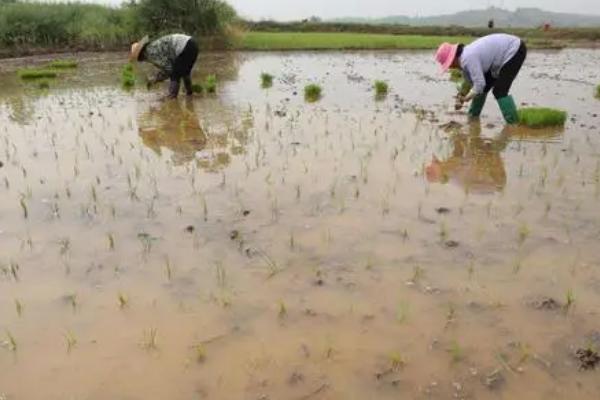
489 63
174 56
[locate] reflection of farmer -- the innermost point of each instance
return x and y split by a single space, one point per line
174 127
475 163
489 63
174 55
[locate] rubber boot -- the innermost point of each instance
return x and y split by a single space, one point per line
509 110
477 105
187 83
173 89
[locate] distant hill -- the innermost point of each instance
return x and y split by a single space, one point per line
520 18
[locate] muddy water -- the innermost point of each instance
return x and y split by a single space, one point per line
249 245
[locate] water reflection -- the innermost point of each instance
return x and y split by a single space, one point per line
203 131
475 163
175 126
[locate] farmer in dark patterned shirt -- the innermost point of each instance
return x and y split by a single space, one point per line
174 56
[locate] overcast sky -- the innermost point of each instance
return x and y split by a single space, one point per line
298 9
295 9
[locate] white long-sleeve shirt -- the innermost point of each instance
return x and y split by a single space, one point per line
487 54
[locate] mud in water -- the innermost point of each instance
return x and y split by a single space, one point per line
249 245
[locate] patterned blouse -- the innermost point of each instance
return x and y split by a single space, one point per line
163 52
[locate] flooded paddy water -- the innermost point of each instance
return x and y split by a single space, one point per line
249 245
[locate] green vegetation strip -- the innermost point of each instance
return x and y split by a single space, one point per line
598 92
35 73
542 117
63 64
338 41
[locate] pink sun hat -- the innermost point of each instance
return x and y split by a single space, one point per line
445 55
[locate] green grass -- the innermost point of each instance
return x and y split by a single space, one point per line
339 41
210 84
381 89
542 117
598 92
128 76
63 64
266 80
312 93
36 73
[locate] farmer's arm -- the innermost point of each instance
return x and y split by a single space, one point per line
477 77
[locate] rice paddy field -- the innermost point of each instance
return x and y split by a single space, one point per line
250 244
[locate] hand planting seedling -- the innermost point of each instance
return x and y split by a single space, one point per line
312 93
456 75
542 117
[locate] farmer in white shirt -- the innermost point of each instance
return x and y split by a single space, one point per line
489 63
173 55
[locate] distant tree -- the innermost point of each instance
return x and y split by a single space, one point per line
195 17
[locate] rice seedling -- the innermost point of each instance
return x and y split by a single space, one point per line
63 64
456 352
128 76
12 342
210 84
381 89
524 233
598 92
24 207
199 353
13 269
402 312
146 241
123 301
221 275
35 73
450 315
168 269
266 80
312 93
150 339
197 88
19 307
397 361
111 241
282 313
570 300
71 299
542 117
65 246
70 340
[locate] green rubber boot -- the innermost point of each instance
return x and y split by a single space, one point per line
477 105
509 110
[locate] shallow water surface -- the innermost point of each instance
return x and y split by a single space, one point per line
250 245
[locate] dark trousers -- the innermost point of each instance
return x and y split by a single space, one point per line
501 85
182 68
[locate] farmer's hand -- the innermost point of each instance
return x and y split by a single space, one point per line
470 96
458 105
